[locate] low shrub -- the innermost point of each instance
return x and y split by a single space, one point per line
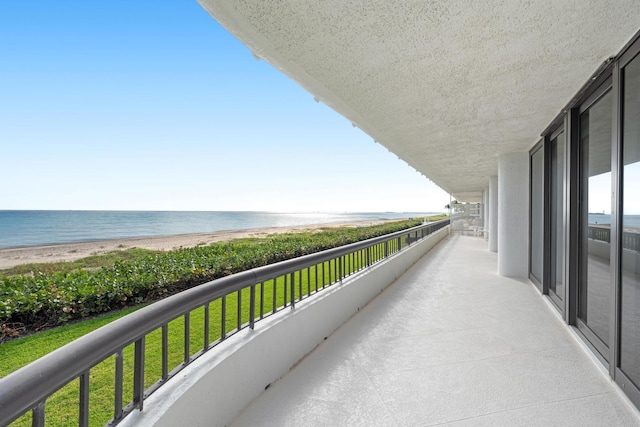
55 298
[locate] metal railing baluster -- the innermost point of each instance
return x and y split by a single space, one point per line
252 306
239 312
334 271
285 289
355 262
83 416
345 266
348 265
165 351
37 414
138 374
187 338
324 264
119 374
262 300
326 279
291 290
274 295
223 311
207 319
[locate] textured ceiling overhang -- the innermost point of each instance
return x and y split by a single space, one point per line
447 85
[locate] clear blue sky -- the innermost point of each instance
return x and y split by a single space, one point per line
150 105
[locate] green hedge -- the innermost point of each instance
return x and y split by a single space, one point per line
56 298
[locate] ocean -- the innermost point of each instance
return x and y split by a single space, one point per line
630 221
44 227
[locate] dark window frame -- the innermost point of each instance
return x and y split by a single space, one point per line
541 282
559 301
601 87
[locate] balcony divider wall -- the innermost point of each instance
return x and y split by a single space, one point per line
587 208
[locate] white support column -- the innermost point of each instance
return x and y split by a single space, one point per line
485 201
493 214
513 223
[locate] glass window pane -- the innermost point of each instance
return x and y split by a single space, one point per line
630 293
595 284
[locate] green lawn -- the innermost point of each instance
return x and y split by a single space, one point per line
62 406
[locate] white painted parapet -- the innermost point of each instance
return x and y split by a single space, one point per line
630 259
513 215
217 386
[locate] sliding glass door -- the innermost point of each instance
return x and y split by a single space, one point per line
630 230
594 282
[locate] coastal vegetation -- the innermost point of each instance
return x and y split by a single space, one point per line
86 263
53 294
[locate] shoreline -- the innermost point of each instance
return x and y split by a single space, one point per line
60 252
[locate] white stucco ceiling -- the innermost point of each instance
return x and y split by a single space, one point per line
447 85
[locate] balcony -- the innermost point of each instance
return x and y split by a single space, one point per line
450 342
447 342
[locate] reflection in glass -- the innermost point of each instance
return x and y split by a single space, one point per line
630 293
556 285
594 287
537 218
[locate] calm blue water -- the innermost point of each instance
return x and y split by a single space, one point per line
33 228
629 220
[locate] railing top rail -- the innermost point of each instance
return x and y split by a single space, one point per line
25 388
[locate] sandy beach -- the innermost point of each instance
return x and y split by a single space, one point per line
72 251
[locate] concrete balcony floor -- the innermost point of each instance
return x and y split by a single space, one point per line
450 343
